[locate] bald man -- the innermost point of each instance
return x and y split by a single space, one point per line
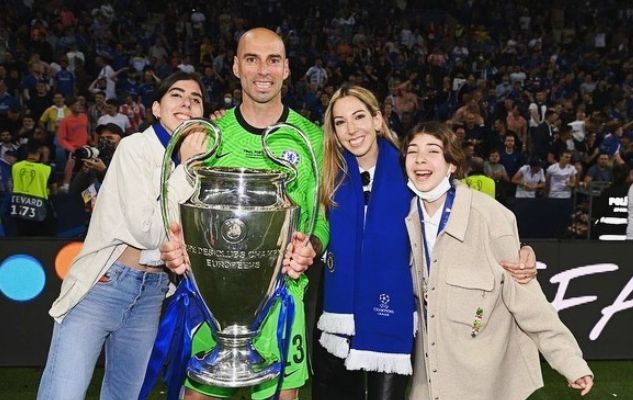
261 66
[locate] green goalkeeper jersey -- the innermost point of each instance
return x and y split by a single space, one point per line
241 147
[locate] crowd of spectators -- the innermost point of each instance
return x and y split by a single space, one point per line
540 92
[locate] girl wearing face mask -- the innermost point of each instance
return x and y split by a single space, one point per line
479 331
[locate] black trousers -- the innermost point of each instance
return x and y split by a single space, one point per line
332 381
313 303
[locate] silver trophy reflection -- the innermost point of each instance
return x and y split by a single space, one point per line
236 227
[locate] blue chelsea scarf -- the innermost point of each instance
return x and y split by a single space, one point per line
446 212
164 137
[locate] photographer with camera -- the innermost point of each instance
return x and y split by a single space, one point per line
94 163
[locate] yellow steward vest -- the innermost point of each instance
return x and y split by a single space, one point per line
31 178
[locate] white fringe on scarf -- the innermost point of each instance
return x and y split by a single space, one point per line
389 363
335 345
343 324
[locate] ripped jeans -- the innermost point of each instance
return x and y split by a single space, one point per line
121 311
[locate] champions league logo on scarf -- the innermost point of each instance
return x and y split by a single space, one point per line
383 308
291 156
329 261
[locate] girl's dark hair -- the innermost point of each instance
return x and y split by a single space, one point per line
168 82
451 148
535 162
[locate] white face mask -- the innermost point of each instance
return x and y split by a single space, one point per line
228 100
435 193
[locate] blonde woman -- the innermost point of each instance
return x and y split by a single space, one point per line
367 323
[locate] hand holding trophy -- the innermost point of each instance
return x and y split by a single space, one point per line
237 227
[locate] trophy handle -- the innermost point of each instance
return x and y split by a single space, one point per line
288 165
181 132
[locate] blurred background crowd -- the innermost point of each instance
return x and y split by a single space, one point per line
539 92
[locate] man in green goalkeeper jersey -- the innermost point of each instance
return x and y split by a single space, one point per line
261 65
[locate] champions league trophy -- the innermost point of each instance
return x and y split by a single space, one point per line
236 228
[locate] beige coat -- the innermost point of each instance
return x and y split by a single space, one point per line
501 362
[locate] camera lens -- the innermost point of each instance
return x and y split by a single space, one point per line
86 152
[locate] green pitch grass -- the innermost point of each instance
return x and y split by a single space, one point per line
614 380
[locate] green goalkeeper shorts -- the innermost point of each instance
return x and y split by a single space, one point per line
296 371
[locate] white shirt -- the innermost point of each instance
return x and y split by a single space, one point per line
60 113
540 111
431 227
107 72
139 63
368 187
119 119
530 179
558 179
72 57
519 76
578 130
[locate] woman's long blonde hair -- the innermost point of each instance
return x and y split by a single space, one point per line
333 160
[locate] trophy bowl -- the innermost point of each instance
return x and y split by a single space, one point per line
236 229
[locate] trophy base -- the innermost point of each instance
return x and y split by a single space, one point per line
231 368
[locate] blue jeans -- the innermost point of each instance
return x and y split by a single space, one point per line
122 313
